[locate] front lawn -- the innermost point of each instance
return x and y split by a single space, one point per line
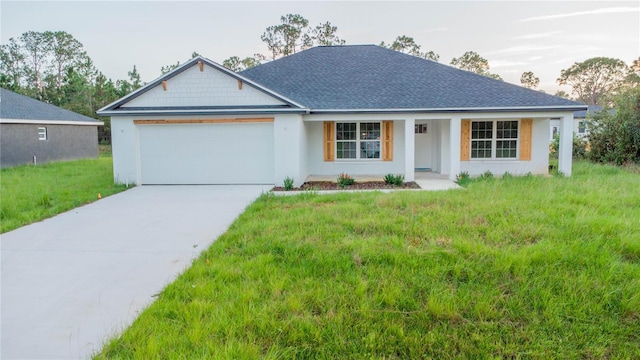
32 193
526 267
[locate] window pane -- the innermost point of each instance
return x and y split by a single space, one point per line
346 150
506 148
481 129
507 130
370 149
370 131
481 149
345 131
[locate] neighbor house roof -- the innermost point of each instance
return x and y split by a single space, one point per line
373 78
591 110
16 108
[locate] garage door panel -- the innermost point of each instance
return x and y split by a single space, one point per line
206 153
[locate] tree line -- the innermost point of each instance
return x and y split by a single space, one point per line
53 66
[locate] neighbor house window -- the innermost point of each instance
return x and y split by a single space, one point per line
494 139
582 127
42 133
358 140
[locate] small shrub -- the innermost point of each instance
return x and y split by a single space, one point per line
463 178
507 175
396 180
288 183
579 150
345 180
487 175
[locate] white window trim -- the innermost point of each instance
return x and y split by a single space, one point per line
494 140
43 133
358 141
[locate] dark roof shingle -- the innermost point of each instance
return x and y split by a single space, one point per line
373 77
20 107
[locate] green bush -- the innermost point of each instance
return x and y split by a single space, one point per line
392 179
463 178
288 183
345 180
580 146
615 138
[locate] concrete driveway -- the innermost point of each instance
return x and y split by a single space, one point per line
72 281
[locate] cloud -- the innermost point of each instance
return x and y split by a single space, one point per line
506 63
614 10
524 49
537 36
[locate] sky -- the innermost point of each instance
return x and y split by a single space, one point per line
514 36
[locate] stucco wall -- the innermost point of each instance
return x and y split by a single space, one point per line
317 165
19 143
207 88
539 163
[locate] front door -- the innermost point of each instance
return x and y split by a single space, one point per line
423 146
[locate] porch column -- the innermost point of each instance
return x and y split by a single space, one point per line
565 151
409 149
455 127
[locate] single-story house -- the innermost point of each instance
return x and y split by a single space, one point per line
356 109
32 131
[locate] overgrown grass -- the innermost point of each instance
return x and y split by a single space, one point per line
518 267
32 193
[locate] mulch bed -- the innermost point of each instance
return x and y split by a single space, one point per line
369 185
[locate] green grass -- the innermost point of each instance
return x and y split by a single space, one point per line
32 193
520 267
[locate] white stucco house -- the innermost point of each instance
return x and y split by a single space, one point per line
357 109
580 124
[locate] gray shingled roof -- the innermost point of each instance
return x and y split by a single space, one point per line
373 77
16 106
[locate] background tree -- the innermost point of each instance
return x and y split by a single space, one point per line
615 136
35 46
325 35
563 94
472 61
11 65
293 34
529 80
236 64
289 36
596 80
633 73
406 44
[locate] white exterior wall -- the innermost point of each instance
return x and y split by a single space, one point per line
207 88
290 149
125 152
539 163
317 165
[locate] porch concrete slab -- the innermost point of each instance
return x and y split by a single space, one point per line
71 282
433 181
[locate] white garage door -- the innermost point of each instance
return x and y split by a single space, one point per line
233 153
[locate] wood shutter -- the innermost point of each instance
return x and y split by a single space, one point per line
329 140
465 140
387 141
526 130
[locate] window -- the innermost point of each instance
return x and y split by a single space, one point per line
358 140
494 139
420 129
582 127
42 133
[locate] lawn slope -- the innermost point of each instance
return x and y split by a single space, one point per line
32 193
526 267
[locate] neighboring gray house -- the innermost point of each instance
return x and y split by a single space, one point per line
356 109
34 131
580 126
